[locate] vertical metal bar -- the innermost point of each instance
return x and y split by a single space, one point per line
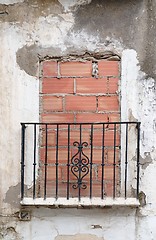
45 162
22 159
138 157
79 180
34 164
80 133
126 160
103 163
91 159
57 133
114 162
68 164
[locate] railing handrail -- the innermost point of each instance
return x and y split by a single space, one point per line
82 123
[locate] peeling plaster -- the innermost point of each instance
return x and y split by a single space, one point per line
131 117
13 196
146 161
28 57
142 199
139 23
74 4
28 11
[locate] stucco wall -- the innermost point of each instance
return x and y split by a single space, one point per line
33 30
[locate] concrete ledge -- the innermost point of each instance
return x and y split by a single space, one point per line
84 202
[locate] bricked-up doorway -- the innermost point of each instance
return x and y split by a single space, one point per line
79 92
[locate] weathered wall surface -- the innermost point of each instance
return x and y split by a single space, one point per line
34 30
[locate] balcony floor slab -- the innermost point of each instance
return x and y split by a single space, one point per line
84 202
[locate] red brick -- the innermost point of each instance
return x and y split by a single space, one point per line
50 69
83 192
51 138
55 85
72 177
58 118
91 85
64 174
108 103
74 103
76 69
74 136
96 154
50 189
91 117
80 103
110 156
114 117
96 189
108 187
52 103
112 85
51 155
108 68
108 173
51 173
97 117
108 138
63 137
86 151
63 190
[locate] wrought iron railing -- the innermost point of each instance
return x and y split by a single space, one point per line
80 160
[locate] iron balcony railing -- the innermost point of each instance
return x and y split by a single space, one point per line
80 160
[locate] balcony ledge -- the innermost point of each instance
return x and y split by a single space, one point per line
84 202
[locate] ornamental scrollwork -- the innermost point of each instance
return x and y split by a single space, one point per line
80 165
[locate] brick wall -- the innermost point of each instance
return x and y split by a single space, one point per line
77 92
70 93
